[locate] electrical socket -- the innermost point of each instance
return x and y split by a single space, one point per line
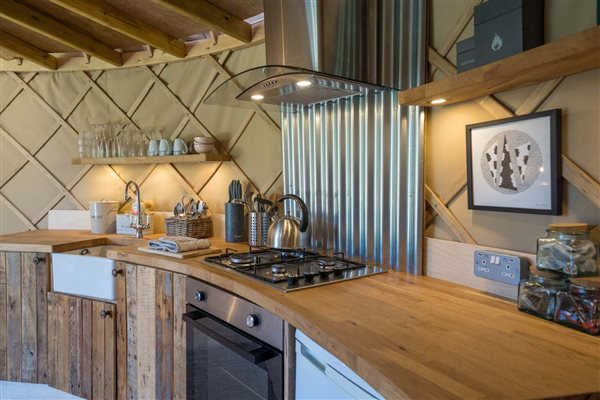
500 267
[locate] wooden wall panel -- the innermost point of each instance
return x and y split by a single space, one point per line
29 312
131 282
43 287
146 334
98 357
87 359
23 327
74 335
13 324
82 346
3 321
121 326
179 337
164 335
155 333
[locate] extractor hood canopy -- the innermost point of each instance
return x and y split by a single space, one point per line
322 50
276 86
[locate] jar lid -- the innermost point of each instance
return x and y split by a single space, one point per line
536 274
589 283
569 226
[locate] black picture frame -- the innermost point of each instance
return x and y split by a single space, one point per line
522 174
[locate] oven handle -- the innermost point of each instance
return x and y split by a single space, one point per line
257 356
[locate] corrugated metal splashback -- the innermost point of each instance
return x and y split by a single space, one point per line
357 162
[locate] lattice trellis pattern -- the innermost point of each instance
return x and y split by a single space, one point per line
440 203
42 114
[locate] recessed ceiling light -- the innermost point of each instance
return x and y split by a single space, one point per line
257 97
303 83
438 101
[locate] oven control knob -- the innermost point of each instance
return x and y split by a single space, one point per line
251 320
200 296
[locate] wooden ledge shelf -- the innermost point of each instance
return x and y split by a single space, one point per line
577 53
188 158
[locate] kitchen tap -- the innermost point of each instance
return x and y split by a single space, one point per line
138 226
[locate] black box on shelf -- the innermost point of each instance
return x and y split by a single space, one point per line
507 27
465 54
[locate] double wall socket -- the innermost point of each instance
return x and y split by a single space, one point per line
500 267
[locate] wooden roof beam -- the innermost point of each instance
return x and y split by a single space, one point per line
209 14
128 25
27 51
44 25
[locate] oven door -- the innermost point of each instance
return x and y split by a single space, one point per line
226 363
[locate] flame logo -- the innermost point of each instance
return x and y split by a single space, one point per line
497 42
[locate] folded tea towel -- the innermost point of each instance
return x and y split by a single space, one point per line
178 244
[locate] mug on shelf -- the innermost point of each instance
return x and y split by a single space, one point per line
165 148
179 147
153 147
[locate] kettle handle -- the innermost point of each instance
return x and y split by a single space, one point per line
304 219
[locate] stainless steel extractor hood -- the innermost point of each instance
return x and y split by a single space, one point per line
316 51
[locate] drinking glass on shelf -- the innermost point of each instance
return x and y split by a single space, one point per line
99 148
142 145
84 143
128 141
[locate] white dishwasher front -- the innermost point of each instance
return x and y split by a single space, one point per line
319 375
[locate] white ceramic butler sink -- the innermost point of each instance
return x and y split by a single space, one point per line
84 272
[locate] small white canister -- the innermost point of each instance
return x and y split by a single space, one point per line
103 216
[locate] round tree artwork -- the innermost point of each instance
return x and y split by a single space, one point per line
511 162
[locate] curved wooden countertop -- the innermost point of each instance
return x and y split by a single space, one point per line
420 337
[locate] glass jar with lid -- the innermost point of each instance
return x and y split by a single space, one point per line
567 248
579 306
537 293
544 244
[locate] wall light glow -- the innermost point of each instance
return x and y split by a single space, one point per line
257 97
438 101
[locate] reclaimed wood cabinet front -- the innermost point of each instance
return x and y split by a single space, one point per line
155 339
82 346
24 283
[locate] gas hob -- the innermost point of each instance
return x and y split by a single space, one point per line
289 270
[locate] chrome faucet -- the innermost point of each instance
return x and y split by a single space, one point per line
138 226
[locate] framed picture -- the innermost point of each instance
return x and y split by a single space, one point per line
514 164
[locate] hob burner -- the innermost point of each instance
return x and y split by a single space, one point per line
278 269
326 263
241 259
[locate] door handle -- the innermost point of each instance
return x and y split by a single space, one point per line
311 358
257 356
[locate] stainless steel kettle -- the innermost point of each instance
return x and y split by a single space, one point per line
288 232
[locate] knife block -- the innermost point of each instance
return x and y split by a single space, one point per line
235 225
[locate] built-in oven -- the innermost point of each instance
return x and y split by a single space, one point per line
234 348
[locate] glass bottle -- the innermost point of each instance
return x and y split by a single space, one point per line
537 293
579 307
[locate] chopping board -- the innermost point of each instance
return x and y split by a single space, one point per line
185 254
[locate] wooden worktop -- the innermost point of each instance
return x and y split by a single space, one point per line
416 337
59 240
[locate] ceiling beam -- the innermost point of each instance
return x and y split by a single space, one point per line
27 51
207 13
108 16
44 25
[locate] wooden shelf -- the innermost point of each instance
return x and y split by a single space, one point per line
188 158
577 53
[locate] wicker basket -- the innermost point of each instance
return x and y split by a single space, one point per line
190 227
